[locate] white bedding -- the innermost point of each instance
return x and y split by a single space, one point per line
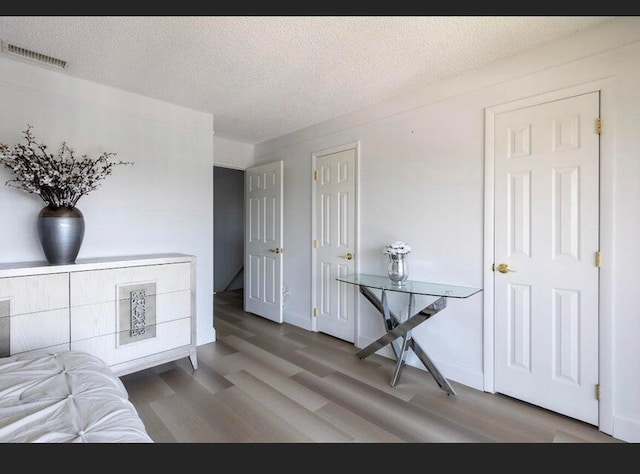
65 397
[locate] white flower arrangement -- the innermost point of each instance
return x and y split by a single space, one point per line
397 248
59 180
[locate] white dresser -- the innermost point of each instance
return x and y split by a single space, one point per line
133 312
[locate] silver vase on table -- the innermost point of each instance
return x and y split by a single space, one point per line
397 269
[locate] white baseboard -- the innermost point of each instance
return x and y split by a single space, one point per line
454 372
295 320
626 429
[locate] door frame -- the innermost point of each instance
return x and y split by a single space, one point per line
241 170
356 233
606 199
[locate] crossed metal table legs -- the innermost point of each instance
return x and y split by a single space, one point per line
397 329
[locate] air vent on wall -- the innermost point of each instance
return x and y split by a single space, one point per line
13 50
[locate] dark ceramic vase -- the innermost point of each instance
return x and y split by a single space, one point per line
60 230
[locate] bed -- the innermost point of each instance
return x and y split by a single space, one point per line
65 397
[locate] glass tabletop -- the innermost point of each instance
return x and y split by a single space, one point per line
410 286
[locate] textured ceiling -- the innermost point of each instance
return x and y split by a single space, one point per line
266 76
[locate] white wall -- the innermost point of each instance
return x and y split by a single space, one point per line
163 203
232 154
421 181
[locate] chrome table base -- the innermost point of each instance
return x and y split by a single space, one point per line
397 329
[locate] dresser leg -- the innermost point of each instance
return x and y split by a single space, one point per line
193 357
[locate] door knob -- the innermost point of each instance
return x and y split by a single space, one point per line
349 256
276 250
504 268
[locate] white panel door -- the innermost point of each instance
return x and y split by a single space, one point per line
263 241
546 241
335 234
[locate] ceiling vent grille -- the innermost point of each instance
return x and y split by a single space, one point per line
13 50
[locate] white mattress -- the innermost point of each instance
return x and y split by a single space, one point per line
65 397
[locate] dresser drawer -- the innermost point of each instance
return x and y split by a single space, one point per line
33 313
109 285
34 293
169 335
99 319
41 330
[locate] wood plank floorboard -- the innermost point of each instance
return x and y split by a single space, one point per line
263 382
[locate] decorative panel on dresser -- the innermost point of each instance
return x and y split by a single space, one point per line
133 312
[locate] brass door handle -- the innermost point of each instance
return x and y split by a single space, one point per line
276 250
349 256
504 268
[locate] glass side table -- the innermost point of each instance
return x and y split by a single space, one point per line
395 328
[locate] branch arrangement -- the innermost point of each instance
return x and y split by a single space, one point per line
60 180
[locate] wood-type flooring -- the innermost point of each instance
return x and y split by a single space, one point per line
263 382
